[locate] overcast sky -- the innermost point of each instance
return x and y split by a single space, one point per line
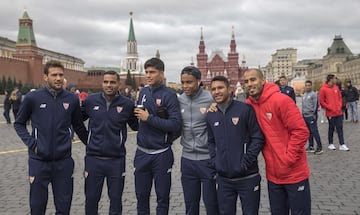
97 30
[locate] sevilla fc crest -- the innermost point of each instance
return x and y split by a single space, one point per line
119 109
235 120
158 102
269 115
202 110
66 105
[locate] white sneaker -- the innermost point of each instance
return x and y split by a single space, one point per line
343 147
332 147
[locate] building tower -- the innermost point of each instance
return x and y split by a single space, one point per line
27 49
157 55
233 61
132 54
202 57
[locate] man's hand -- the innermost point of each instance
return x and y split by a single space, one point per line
212 108
141 114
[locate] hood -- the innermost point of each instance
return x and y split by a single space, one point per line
325 84
268 90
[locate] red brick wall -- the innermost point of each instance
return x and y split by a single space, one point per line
13 68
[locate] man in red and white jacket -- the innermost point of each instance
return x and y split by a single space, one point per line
286 134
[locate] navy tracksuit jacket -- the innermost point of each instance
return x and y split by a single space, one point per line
154 157
105 150
235 141
52 114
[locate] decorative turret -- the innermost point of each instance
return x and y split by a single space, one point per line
202 43
157 55
132 54
202 57
232 42
339 47
26 35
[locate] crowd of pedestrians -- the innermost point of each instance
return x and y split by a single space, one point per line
222 135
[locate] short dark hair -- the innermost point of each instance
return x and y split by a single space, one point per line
192 70
52 64
112 72
258 71
155 62
283 76
329 77
221 78
308 82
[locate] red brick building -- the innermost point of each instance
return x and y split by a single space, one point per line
24 61
219 64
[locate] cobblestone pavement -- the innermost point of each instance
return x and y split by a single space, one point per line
335 184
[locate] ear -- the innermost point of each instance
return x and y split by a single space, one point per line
45 77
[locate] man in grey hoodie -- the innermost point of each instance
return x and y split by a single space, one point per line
309 111
196 169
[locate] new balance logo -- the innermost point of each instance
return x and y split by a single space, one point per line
301 188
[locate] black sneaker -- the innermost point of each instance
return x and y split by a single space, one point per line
310 149
318 151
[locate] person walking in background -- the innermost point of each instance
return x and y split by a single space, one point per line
108 113
235 141
309 110
15 99
196 171
331 99
352 96
158 111
7 107
83 96
286 134
52 111
344 106
285 89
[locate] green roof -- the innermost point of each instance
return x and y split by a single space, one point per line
26 33
25 15
338 47
131 31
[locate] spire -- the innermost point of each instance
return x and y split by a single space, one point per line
131 30
157 54
25 14
232 42
233 34
202 43
26 35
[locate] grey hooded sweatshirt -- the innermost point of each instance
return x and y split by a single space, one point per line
194 137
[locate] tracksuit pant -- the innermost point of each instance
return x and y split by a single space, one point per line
290 197
60 174
149 168
311 123
354 111
96 170
7 115
336 122
247 188
197 175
